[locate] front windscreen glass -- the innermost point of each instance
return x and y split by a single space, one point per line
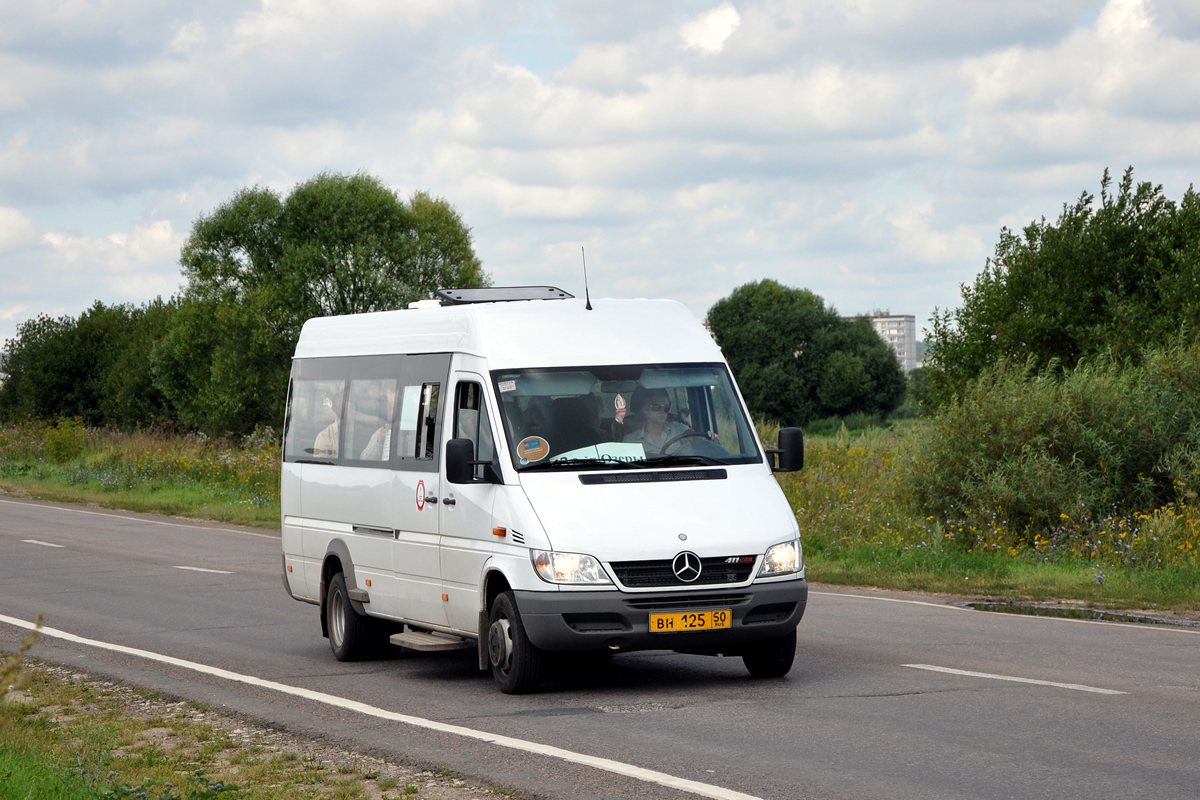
623 417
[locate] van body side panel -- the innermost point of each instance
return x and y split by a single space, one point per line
353 504
415 557
466 544
291 479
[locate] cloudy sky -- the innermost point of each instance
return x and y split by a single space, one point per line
868 150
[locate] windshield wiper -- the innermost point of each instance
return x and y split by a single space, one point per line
689 461
575 463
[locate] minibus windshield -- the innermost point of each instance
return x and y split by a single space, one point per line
626 416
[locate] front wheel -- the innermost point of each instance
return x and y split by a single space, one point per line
349 632
517 664
772 658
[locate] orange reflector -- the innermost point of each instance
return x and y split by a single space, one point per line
289 567
368 581
445 597
501 532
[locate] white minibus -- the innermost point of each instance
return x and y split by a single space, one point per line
521 472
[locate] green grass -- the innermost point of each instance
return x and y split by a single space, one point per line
178 476
64 736
29 770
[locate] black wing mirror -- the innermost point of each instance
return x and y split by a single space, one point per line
790 455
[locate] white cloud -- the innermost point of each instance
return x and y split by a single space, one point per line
124 265
916 237
708 32
16 229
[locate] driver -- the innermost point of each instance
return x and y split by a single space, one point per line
653 406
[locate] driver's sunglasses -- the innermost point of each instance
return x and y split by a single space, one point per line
659 407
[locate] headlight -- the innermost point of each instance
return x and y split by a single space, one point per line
781 559
567 567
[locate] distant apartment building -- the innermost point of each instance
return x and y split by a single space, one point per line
900 333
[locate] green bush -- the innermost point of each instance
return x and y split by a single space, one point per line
1024 449
65 441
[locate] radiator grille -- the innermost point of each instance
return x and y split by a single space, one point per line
713 570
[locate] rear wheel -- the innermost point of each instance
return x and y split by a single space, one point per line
772 658
349 632
517 664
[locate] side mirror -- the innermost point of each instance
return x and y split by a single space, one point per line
460 461
790 452
461 464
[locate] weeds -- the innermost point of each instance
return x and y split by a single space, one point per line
144 471
860 525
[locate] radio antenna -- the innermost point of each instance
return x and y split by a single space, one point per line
586 294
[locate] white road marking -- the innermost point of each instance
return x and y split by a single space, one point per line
202 569
1076 686
142 519
608 765
43 544
947 607
890 600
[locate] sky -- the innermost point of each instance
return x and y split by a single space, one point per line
867 150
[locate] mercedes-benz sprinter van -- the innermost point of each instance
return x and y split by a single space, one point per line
517 471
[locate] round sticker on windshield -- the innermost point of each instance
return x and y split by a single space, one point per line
532 448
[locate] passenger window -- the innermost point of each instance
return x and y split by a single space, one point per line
471 422
418 421
369 419
313 431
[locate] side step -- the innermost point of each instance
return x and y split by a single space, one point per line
422 640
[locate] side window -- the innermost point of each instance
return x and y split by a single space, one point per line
370 405
418 434
471 422
417 437
313 429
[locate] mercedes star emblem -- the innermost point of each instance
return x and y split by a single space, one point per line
686 566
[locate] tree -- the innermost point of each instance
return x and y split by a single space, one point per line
59 367
336 245
1114 279
443 256
797 361
128 396
260 265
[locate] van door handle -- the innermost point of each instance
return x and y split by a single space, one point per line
431 498
449 501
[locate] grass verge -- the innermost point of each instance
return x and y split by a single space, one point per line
185 476
67 736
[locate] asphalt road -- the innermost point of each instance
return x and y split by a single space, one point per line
892 696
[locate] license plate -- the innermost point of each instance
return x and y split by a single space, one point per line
691 621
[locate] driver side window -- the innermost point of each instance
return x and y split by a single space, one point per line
471 422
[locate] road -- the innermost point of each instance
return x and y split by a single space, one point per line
892 695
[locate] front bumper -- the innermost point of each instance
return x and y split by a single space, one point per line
621 620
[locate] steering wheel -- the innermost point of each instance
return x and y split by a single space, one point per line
688 434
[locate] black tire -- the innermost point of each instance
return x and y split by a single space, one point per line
517 665
350 633
772 658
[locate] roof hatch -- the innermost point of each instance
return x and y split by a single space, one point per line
501 294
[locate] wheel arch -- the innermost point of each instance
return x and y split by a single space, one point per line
492 584
337 559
